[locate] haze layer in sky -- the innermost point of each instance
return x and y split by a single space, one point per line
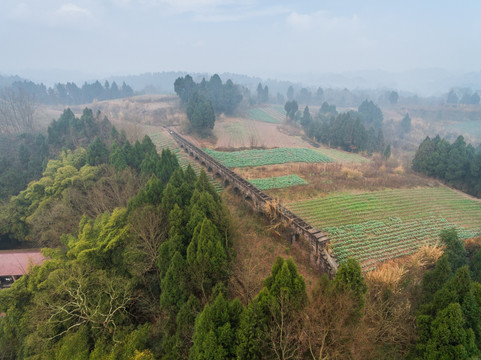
263 38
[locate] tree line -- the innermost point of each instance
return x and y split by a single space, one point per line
465 97
70 93
457 164
205 99
353 131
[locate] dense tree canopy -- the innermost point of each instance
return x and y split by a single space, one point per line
370 115
23 157
127 276
291 107
262 94
344 130
449 316
224 97
458 164
200 113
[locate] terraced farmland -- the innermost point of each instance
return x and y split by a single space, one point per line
277 182
382 225
267 157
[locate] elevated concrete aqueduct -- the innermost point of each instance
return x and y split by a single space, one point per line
262 202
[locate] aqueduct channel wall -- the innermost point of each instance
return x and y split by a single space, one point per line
260 201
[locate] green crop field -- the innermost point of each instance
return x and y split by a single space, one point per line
278 182
382 225
342 156
267 157
261 115
279 109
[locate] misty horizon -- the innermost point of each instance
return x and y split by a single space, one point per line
281 40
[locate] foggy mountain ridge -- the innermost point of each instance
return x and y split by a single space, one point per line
422 82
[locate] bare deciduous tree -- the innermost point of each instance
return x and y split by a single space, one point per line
96 299
329 331
150 229
16 110
246 281
286 330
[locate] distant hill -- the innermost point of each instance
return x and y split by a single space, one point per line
163 82
8 80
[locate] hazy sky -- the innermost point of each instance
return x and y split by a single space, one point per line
254 37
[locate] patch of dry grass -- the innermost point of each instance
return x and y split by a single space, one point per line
325 178
391 274
257 244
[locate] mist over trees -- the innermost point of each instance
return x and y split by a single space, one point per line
17 107
203 100
463 96
224 97
291 107
262 94
70 93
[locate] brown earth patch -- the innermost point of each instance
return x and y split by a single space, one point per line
332 177
237 133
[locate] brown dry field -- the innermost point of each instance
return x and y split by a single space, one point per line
143 109
333 177
240 133
233 133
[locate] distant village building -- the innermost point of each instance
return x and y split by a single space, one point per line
15 263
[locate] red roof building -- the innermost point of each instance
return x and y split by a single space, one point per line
15 263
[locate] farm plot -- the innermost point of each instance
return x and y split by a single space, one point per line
342 156
267 157
276 112
377 226
279 109
261 115
278 182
